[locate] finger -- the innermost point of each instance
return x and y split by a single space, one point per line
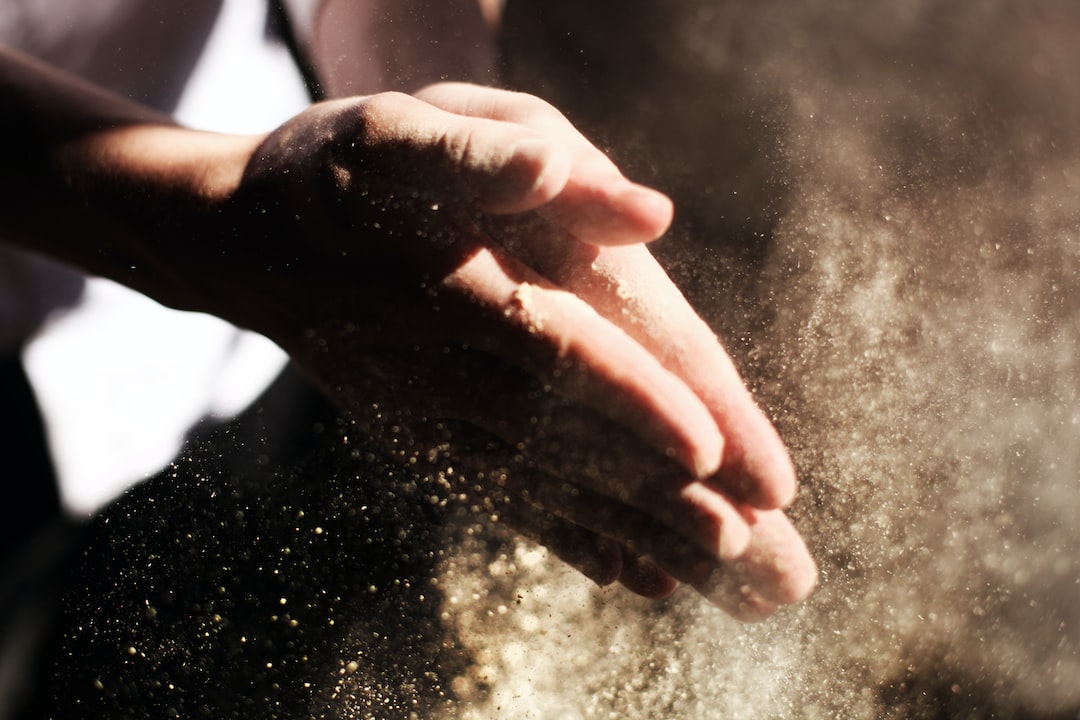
594 556
773 568
724 583
711 530
643 577
777 562
628 287
598 558
481 477
776 568
486 482
756 466
497 166
598 204
714 580
563 341
558 447
600 211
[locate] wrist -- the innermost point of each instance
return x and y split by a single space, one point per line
151 200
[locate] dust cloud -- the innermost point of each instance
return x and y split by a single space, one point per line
879 215
897 271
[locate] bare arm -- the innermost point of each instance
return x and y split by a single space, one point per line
107 185
459 261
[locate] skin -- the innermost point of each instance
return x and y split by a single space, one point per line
464 274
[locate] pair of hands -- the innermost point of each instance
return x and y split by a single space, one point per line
468 277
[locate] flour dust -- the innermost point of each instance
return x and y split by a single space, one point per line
909 314
879 214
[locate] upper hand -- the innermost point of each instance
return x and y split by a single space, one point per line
466 274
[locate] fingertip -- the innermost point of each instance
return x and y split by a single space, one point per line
781 491
735 538
756 467
779 562
786 488
674 420
718 527
769 485
684 429
643 577
606 565
600 561
805 582
609 210
709 455
623 214
800 575
699 451
650 210
726 532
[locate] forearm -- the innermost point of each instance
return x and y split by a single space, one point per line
106 185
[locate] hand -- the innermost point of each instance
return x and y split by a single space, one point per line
465 274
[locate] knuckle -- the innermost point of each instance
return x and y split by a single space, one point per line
458 145
533 106
381 113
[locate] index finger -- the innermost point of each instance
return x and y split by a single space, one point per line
628 287
756 466
598 204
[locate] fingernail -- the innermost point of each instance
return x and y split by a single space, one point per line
706 460
734 537
722 530
689 435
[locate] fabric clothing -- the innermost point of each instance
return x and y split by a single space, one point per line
122 380
123 383
31 288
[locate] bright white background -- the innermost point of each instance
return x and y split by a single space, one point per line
120 378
